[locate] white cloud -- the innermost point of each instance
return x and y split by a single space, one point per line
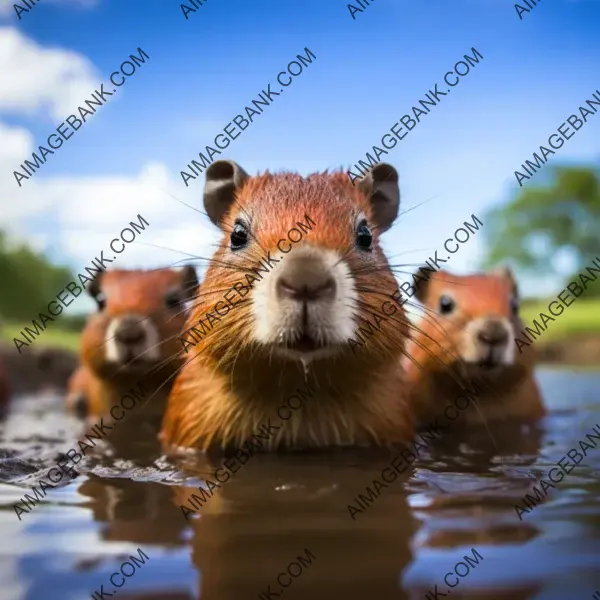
76 216
37 79
6 6
15 143
91 211
88 212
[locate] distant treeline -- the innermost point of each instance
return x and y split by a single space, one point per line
547 218
28 281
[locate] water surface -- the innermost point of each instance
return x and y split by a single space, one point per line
455 497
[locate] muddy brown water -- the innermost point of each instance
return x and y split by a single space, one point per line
287 517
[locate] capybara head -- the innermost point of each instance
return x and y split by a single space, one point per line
139 318
39 370
302 257
55 366
478 315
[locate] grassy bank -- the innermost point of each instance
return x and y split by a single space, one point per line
581 318
52 336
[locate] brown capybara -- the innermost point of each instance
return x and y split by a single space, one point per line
299 267
38 370
466 341
132 342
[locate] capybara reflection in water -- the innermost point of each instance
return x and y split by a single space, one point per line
132 341
288 321
466 340
289 506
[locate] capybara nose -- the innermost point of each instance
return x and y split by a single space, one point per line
307 289
130 331
493 333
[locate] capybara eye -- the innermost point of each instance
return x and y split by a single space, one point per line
172 300
446 305
514 306
239 236
364 237
100 301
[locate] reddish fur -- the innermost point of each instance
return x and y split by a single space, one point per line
512 394
140 292
77 385
231 386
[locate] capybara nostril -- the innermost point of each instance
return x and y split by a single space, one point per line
303 291
130 331
493 333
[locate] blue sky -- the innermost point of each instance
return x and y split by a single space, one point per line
202 72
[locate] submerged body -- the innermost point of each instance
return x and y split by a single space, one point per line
279 329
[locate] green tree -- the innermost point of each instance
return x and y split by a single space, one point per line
28 281
562 215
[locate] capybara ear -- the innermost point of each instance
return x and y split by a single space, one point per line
506 273
223 179
422 283
381 186
95 287
189 282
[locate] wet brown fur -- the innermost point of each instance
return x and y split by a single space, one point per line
435 374
103 384
77 387
231 385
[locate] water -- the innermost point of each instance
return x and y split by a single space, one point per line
455 498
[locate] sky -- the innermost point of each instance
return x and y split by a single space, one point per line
368 72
